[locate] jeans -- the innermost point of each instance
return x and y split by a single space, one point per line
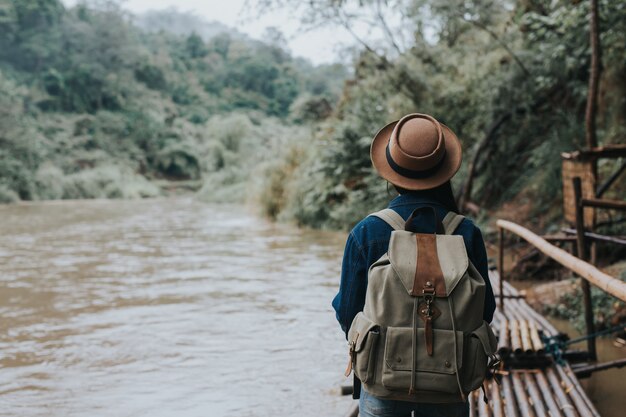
370 406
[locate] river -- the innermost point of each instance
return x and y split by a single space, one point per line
171 307
166 307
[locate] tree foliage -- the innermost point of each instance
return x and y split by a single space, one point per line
510 78
87 98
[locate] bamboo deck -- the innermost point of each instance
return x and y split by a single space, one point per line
553 391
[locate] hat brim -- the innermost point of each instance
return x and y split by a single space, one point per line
450 165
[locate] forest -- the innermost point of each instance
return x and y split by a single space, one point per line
97 103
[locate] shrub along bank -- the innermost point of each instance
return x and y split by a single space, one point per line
510 78
93 106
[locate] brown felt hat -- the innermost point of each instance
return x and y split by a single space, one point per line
416 152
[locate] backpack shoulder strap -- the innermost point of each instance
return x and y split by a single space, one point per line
451 222
390 217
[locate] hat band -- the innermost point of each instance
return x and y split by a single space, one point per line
409 173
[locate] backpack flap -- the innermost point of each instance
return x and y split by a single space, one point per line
452 256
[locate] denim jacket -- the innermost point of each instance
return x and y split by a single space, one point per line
369 240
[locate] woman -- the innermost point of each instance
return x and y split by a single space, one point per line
418 156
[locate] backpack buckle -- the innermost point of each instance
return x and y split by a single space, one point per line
429 296
352 360
492 368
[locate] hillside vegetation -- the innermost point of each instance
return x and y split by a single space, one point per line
93 106
509 77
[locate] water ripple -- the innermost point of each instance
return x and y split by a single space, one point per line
165 307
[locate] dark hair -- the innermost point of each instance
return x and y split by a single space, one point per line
442 194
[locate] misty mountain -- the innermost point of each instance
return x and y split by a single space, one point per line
182 23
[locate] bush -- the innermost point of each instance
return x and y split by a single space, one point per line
274 192
223 187
107 182
570 307
16 176
152 76
7 195
179 162
230 130
50 181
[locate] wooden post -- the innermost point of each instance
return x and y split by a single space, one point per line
582 254
594 78
501 268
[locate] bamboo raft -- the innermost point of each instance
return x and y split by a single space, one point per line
545 391
549 390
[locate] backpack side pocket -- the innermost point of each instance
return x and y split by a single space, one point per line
480 345
363 339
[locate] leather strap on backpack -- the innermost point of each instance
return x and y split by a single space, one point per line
408 225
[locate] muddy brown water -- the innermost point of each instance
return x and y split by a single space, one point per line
166 307
606 388
171 307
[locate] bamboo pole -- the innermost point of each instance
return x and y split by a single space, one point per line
576 393
535 396
548 395
525 335
582 252
619 240
586 371
483 408
496 399
605 282
564 403
534 336
602 189
516 342
523 401
501 268
504 341
604 203
510 404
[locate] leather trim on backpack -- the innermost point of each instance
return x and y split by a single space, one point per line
428 274
450 252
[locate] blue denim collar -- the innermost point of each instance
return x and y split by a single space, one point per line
412 199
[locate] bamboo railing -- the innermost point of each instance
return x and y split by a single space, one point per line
607 283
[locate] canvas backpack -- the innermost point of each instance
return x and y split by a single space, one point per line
421 335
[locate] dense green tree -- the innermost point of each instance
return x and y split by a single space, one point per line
509 77
85 93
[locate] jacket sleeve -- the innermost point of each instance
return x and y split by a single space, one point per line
353 284
481 264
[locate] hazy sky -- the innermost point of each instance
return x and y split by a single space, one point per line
320 46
